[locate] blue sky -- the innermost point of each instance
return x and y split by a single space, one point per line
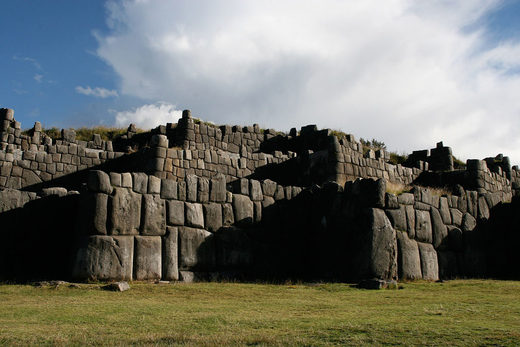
409 73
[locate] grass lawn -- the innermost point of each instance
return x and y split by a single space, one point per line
470 312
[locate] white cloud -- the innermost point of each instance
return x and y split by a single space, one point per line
409 73
38 78
148 116
96 92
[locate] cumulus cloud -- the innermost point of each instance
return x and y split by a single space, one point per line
97 92
148 116
38 78
409 73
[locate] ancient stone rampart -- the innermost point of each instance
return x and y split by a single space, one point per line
193 201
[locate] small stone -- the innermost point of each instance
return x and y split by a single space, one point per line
117 286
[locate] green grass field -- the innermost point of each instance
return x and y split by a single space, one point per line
470 312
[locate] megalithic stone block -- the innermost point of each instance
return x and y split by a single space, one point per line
429 262
105 258
147 258
170 255
409 261
154 215
243 209
124 212
196 249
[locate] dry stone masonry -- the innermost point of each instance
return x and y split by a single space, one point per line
193 201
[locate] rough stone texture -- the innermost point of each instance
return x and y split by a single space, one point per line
175 212
125 212
444 210
483 208
147 258
92 214
468 222
423 226
203 190
154 185
391 201
218 188
243 209
429 263
410 220
196 249
99 181
120 286
140 182
194 215
456 217
228 217
168 189
409 260
191 188
255 190
383 255
269 187
154 215
170 262
212 216
406 199
398 218
105 258
439 230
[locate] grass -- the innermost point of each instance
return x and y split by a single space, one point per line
472 312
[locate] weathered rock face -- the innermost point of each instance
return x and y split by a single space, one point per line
383 254
196 249
105 258
125 212
243 208
409 258
148 260
170 264
154 215
423 226
429 262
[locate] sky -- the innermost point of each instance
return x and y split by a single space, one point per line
409 73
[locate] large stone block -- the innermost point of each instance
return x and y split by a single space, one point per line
255 190
147 258
191 188
383 250
212 216
168 189
170 255
423 226
228 218
410 220
439 230
92 214
468 222
140 182
409 260
444 210
196 249
203 190
218 188
175 212
125 212
99 181
105 258
243 209
269 187
429 262
398 218
154 215
194 215
483 209
456 216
